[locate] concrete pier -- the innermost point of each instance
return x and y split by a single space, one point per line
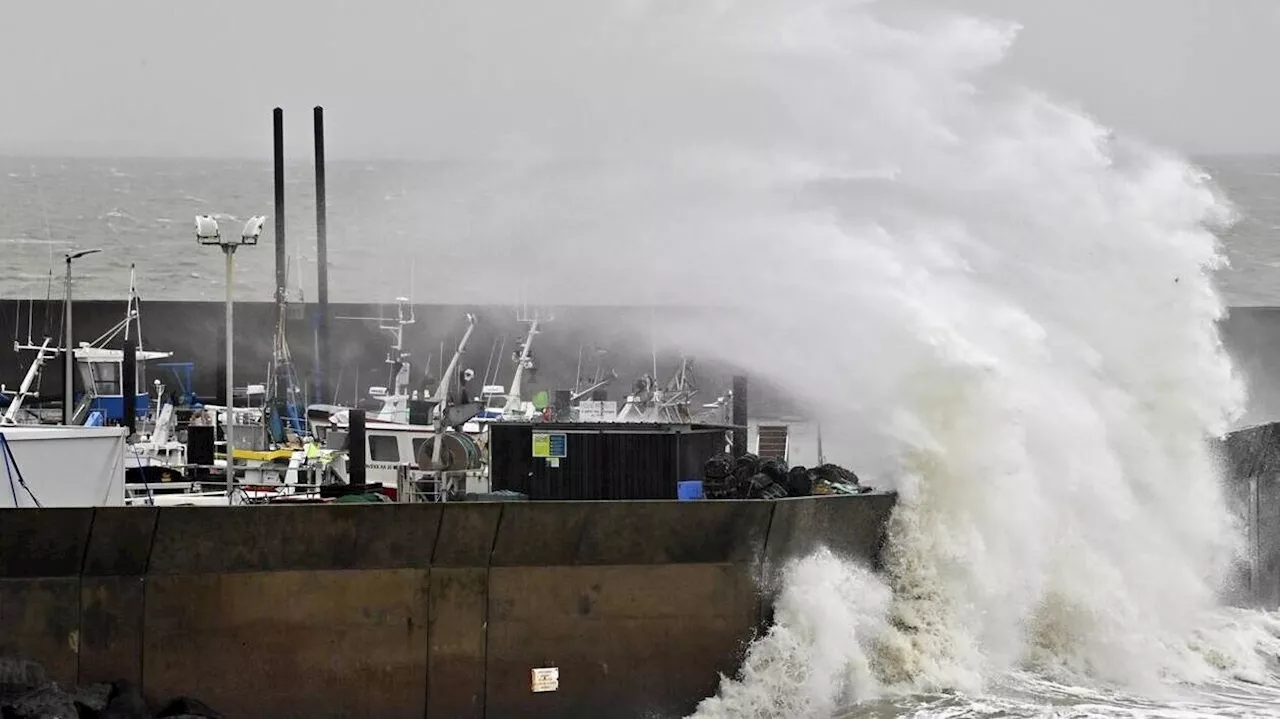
1252 458
401 610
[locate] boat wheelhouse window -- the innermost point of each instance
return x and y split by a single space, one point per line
106 377
336 439
383 448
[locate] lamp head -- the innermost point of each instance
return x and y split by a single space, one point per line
252 230
80 253
207 230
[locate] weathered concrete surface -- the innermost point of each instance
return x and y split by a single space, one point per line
291 643
1252 458
41 622
852 527
43 542
629 641
457 655
466 534
459 611
639 604
41 554
112 593
334 602
408 610
120 541
650 532
111 623
189 540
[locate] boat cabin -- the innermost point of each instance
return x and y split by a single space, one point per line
101 374
493 398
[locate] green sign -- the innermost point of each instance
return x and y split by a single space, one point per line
551 445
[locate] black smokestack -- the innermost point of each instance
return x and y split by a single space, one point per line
322 265
277 118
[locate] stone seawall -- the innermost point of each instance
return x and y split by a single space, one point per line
439 610
1252 458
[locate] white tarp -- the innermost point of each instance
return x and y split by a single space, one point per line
63 466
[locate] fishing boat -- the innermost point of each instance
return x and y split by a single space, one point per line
102 374
395 438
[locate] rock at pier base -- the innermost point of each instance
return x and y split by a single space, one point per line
26 693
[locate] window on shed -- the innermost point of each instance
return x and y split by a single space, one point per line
773 442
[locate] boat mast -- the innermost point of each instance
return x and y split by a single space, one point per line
128 307
399 369
15 404
450 372
523 362
441 397
579 394
397 358
577 377
286 397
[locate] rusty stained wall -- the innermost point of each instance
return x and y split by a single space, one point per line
410 610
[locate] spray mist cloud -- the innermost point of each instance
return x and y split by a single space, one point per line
988 299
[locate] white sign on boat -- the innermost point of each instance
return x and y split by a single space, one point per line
609 411
590 411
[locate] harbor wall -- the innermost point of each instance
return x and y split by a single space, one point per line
1252 458
193 331
403 610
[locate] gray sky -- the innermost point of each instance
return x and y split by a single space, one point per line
166 77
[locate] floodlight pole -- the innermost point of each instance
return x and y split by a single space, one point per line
69 359
229 250
207 234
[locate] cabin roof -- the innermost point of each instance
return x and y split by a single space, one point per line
100 354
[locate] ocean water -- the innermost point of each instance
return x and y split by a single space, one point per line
990 301
391 224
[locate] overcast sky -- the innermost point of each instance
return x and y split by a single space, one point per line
166 77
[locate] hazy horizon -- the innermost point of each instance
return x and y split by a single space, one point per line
392 74
307 158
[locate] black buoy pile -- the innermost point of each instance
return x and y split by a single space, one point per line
26 693
750 477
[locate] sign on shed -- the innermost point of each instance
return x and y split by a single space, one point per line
550 445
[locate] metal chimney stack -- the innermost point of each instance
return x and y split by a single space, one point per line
322 360
277 117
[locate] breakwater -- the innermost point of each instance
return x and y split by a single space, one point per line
1252 458
403 610
193 332
581 337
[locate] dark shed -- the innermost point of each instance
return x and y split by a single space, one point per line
600 461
